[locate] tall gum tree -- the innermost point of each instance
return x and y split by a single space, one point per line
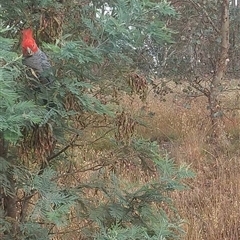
221 67
199 57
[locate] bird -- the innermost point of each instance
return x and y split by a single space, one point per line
35 58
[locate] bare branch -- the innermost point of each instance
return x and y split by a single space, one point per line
199 7
64 149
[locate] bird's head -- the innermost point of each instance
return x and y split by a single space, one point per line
29 46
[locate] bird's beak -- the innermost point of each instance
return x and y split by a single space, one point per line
29 51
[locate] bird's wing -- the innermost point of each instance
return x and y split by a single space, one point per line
44 60
34 62
40 64
47 75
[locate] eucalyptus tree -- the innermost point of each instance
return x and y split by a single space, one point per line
201 56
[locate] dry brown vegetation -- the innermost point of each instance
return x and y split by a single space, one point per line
211 208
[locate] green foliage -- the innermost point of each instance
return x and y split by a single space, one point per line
5 183
140 211
91 52
123 34
5 226
17 114
33 231
53 203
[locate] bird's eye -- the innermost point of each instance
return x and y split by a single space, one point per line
29 51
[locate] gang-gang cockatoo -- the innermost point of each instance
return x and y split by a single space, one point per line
35 59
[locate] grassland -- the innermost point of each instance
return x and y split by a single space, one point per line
181 127
211 207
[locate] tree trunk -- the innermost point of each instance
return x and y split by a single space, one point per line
10 206
221 67
9 201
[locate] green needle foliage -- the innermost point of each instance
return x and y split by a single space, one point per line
93 46
14 112
145 211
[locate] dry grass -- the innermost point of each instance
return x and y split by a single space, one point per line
211 207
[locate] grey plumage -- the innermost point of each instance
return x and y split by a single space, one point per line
41 65
45 63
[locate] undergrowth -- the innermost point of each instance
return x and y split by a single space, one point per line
211 207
